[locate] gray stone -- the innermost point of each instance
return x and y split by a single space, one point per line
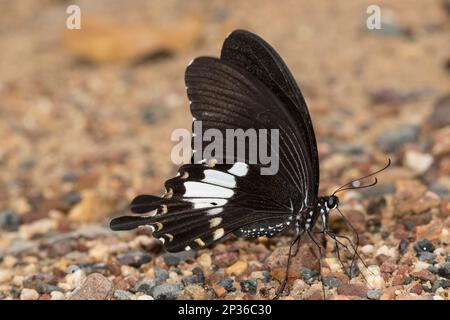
248 286
173 259
9 220
122 295
227 283
444 270
427 256
161 275
423 245
392 141
331 282
307 273
441 283
145 286
167 291
373 294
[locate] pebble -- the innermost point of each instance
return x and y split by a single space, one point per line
441 283
307 274
391 141
238 268
122 295
389 252
5 275
57 295
198 277
373 294
145 286
367 249
205 260
75 279
403 246
225 259
331 282
173 259
29 294
440 117
195 292
374 277
248 286
444 270
167 291
134 259
96 287
420 265
161 275
423 245
433 269
227 283
428 257
9 220
357 290
388 267
424 275
417 161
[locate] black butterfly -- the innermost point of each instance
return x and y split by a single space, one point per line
248 87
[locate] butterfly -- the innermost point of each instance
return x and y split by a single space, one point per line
249 86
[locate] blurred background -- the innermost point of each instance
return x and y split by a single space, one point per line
86 115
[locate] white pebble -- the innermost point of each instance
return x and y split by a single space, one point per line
389 252
417 161
76 279
29 294
373 277
57 295
368 248
438 298
420 265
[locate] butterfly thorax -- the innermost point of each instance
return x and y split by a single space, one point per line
307 218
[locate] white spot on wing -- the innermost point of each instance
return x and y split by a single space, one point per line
239 169
199 189
218 233
219 178
214 211
214 222
207 202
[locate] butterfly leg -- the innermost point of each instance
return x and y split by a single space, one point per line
320 262
286 275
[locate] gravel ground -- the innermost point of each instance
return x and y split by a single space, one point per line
86 122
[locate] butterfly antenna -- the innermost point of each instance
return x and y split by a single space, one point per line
355 184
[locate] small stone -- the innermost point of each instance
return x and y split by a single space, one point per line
389 252
71 198
195 292
75 279
264 276
444 270
161 275
29 294
391 141
227 283
431 231
417 289
167 291
219 291
403 246
145 286
373 294
417 161
225 259
374 277
427 256
357 290
307 274
441 283
388 267
197 278
367 249
331 282
424 275
9 220
440 116
122 295
248 286
204 260
237 268
423 246
57 295
407 280
134 259
96 287
433 269
173 259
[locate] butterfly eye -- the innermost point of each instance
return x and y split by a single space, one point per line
332 202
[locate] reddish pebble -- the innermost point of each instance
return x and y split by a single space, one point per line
417 289
424 275
358 290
